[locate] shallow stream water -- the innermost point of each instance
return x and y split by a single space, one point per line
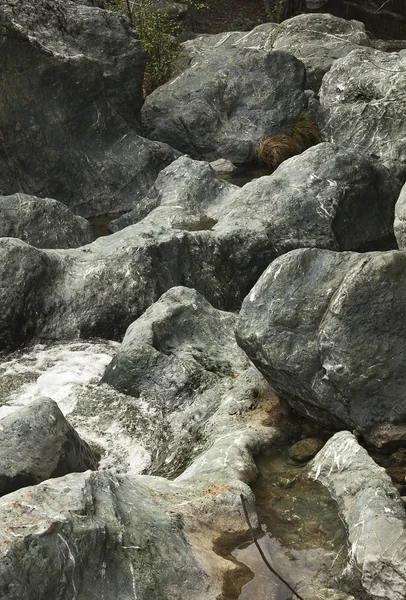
69 374
303 536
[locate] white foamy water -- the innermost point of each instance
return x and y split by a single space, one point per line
69 374
58 372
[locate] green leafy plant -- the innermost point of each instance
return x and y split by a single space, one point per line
279 10
304 131
158 32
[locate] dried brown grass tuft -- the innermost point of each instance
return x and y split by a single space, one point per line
274 149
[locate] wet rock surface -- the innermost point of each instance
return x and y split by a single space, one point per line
42 222
69 121
223 105
37 443
305 449
320 349
181 357
362 101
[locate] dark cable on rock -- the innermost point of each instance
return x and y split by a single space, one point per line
261 552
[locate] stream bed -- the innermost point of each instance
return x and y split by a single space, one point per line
303 536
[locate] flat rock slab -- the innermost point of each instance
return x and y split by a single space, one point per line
70 101
42 222
37 443
327 330
373 513
221 106
362 105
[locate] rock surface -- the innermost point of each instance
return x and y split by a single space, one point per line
42 222
400 219
181 358
327 331
327 197
199 232
362 101
37 443
318 40
70 100
222 105
126 536
304 450
373 513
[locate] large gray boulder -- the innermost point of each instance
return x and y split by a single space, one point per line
373 513
261 37
110 539
362 104
42 222
37 443
318 40
199 232
222 105
327 330
326 197
70 100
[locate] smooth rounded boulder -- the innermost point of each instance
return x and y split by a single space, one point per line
327 330
222 105
70 101
37 443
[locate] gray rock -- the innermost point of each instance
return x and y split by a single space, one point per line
326 197
327 332
130 536
25 273
261 37
222 105
318 40
362 103
42 222
373 513
94 3
304 450
181 357
400 219
109 539
37 443
222 166
70 100
199 232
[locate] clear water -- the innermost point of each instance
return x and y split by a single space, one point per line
303 536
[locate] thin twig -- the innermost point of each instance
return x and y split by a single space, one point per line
130 13
254 539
